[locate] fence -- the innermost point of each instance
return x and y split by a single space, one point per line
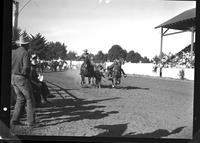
147 69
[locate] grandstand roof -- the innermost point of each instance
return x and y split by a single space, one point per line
183 21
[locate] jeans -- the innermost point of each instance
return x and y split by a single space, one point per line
45 91
40 91
24 96
37 93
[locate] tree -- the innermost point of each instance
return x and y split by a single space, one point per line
156 59
26 36
130 56
145 60
100 57
116 51
38 45
57 50
123 54
71 55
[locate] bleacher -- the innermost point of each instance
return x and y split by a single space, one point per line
182 59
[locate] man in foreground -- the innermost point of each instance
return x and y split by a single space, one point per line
21 84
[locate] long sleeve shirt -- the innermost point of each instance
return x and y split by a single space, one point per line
20 62
85 56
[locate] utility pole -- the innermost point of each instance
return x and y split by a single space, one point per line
192 42
16 13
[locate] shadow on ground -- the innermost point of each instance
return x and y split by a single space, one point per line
71 109
119 129
67 110
59 89
124 87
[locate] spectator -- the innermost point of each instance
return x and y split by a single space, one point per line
21 84
39 88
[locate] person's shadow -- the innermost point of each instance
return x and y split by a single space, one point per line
118 130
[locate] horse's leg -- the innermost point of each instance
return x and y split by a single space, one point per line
112 80
119 80
116 81
82 80
92 80
98 83
89 80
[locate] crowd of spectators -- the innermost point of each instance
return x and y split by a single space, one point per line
180 60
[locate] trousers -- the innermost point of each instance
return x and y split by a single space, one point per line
24 97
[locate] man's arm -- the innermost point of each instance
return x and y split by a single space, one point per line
123 72
26 64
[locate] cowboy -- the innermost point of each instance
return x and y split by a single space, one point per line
110 68
116 65
85 56
21 84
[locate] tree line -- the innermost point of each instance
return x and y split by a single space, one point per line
53 50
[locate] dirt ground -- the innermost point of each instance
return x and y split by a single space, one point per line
140 107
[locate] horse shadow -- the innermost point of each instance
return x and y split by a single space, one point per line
124 87
118 130
130 87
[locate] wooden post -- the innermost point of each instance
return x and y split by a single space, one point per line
16 3
161 46
192 42
161 42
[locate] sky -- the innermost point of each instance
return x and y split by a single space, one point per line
99 24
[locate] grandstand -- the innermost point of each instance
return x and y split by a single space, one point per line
181 59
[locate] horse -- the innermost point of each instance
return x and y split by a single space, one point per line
98 74
87 70
116 74
54 65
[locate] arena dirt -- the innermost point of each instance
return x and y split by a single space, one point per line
139 107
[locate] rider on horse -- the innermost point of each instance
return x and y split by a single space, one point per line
86 56
115 66
86 59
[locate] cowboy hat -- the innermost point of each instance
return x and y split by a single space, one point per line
85 50
21 41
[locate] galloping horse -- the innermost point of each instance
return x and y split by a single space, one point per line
116 73
87 70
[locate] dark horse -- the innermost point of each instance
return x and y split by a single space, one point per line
87 70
